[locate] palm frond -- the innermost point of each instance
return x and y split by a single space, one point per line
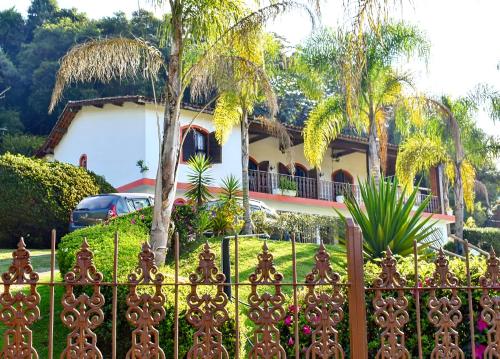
419 152
324 124
106 60
230 74
226 115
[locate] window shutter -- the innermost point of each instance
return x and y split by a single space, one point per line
188 146
214 149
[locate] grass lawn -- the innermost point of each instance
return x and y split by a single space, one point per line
249 249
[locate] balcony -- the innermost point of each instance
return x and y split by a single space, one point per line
266 182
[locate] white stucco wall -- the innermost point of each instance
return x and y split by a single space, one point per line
268 150
112 137
231 154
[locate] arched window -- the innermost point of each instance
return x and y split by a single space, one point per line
342 176
300 170
83 161
196 142
252 164
200 141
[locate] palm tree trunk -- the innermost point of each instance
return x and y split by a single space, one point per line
247 229
373 150
170 145
459 207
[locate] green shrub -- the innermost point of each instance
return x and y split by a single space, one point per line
305 226
484 238
406 268
287 184
37 196
133 231
23 144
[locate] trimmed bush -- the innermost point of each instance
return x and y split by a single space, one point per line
484 238
133 231
37 195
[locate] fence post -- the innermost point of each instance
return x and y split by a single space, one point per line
357 306
226 265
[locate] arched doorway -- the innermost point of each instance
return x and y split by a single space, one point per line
342 184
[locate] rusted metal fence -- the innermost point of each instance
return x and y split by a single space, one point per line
328 298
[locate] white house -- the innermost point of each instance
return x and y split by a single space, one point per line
110 135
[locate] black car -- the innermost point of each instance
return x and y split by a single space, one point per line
96 209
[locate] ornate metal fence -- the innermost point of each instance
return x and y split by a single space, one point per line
327 300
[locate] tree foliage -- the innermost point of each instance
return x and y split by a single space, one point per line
31 47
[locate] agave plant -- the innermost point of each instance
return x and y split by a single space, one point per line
391 219
199 178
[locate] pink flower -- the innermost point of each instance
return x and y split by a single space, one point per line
132 221
428 281
142 216
480 349
288 320
316 319
293 309
290 341
306 330
482 325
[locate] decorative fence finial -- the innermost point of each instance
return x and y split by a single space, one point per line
82 314
207 312
324 308
391 313
145 311
266 309
444 312
18 311
491 305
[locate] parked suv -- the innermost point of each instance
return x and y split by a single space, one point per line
96 209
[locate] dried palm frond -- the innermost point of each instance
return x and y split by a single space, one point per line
278 130
106 60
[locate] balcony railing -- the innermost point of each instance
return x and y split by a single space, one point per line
268 182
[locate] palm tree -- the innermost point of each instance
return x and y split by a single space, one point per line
194 32
247 85
447 137
364 104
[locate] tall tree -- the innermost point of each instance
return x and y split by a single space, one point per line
242 84
193 30
447 137
361 102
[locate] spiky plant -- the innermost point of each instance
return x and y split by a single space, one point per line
231 189
389 220
199 179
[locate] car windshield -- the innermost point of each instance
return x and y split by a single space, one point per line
94 203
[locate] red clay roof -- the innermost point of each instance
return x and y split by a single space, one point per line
72 107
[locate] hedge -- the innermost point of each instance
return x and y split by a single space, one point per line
484 238
133 231
37 196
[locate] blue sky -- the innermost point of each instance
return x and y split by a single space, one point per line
464 36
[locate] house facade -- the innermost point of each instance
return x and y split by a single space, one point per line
118 138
